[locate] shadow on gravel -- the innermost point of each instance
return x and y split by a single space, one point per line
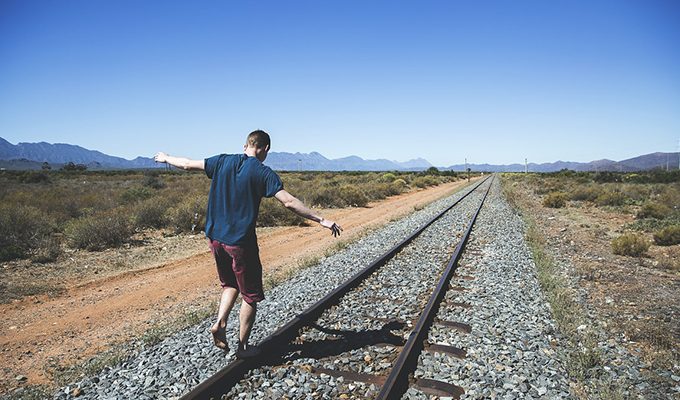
342 341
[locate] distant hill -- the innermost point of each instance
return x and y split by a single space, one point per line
60 153
640 163
316 162
33 155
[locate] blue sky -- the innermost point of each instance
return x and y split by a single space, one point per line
490 81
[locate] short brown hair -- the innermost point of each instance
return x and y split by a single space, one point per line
258 139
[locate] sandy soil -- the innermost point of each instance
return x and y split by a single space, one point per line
94 310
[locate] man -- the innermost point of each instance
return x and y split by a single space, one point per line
239 181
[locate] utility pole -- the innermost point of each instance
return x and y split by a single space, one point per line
467 170
526 166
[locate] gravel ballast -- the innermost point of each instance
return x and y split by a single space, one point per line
172 367
512 351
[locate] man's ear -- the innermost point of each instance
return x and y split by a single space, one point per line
266 148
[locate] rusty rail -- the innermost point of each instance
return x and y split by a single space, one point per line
222 381
397 381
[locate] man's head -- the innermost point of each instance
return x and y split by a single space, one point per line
257 144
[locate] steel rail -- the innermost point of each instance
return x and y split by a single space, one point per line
397 382
223 380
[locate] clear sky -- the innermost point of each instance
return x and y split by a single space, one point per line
490 81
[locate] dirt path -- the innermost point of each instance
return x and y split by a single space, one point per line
89 318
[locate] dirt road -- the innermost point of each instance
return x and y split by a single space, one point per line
89 318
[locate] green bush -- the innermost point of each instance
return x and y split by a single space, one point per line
99 230
152 180
400 184
555 200
605 176
654 210
425 181
431 171
324 197
611 198
151 213
34 177
668 236
585 193
352 196
22 230
136 194
630 244
388 177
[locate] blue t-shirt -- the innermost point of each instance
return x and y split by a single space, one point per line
238 184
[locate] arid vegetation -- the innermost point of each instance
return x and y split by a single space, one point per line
652 198
46 213
54 340
606 248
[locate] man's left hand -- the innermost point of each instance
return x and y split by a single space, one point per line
335 228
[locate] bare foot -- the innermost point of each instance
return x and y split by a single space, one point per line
219 334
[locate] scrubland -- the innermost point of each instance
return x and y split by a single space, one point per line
96 249
607 249
47 215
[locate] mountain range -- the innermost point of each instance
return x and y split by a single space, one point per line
33 155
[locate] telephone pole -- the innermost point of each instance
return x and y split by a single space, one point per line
467 170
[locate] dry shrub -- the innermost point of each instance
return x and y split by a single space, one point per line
22 229
668 236
352 196
424 181
388 177
151 213
34 177
555 200
47 250
324 196
611 198
273 213
654 210
400 184
670 196
136 194
585 193
99 230
189 215
152 180
630 244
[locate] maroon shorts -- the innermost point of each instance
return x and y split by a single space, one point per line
239 267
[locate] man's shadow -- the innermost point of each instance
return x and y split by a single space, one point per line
345 341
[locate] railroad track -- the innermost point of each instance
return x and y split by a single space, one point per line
372 351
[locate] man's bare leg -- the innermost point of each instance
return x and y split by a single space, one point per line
246 319
219 329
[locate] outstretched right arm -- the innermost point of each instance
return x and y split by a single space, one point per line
179 162
292 203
